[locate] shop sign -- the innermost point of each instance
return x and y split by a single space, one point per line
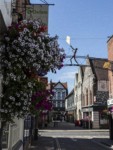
87 109
39 12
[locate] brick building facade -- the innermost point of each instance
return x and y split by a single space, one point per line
110 76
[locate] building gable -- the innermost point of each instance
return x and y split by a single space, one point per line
59 86
88 70
81 74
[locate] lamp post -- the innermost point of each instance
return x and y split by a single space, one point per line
36 128
50 99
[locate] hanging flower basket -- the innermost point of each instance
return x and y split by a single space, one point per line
25 50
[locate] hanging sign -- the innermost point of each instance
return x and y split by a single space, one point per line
39 12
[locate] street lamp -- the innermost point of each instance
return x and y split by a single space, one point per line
50 100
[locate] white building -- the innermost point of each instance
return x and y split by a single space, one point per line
70 106
78 92
60 92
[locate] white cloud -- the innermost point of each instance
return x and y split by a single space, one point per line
67 75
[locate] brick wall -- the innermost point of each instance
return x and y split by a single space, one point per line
21 7
110 73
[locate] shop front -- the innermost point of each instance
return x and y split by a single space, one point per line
87 117
70 116
95 117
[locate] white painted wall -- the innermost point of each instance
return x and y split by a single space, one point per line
16 133
78 92
70 102
5 7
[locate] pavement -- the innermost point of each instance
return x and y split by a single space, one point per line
47 143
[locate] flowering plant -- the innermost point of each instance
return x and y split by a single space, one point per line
41 101
25 50
29 47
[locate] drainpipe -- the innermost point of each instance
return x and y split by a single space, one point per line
10 137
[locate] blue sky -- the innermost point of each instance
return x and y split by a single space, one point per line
89 23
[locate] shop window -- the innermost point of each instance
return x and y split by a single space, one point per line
104 119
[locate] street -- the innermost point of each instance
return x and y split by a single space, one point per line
68 137
76 144
75 140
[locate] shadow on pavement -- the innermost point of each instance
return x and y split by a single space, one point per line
43 143
49 143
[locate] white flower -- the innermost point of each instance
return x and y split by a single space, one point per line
21 34
6 83
9 106
31 60
11 97
7 103
15 41
5 111
22 43
25 103
25 30
20 59
24 108
25 37
29 103
19 104
24 21
29 84
12 115
18 95
6 61
20 39
24 64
